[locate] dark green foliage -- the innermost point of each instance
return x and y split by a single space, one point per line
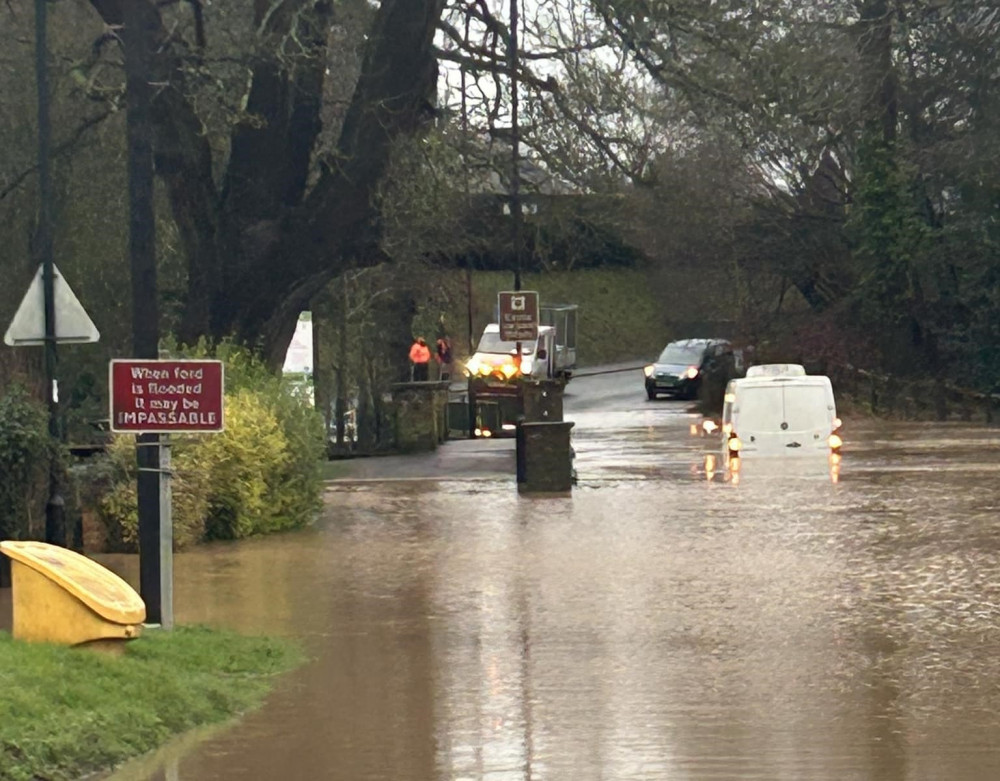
890 234
890 242
25 453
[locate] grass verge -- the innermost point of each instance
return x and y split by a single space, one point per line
65 712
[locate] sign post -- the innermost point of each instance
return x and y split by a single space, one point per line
161 397
51 314
518 323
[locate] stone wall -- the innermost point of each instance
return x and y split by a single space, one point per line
421 415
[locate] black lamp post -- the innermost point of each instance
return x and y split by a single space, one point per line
55 523
515 142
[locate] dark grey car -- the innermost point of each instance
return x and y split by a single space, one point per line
681 367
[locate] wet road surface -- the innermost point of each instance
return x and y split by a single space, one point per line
656 624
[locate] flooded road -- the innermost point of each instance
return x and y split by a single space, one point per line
656 624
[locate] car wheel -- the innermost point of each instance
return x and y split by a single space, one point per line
650 394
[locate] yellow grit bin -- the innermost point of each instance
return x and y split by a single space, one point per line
60 596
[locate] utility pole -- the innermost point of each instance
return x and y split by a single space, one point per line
515 149
55 516
465 168
155 544
515 160
515 211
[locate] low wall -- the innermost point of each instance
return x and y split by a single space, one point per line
924 399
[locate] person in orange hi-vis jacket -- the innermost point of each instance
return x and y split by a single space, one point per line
420 358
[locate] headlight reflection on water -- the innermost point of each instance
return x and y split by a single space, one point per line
732 469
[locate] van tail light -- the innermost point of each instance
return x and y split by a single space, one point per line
835 442
734 444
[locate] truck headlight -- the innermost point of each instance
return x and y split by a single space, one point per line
648 370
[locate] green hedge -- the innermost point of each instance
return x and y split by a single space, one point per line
261 475
25 453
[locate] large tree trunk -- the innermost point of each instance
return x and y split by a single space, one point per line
879 80
260 243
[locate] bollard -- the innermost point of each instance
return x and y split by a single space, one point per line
543 400
545 458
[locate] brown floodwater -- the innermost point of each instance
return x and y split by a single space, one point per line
657 624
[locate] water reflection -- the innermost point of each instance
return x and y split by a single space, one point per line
731 469
652 628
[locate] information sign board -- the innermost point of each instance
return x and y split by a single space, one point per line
518 316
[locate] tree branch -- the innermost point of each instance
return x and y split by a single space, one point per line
338 218
271 150
58 150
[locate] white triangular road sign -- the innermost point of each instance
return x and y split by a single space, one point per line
73 324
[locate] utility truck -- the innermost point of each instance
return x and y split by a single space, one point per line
497 371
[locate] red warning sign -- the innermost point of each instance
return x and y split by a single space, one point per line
166 396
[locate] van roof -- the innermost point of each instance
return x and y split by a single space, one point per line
763 382
777 370
494 328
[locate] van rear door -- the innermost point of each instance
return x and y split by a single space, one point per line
784 418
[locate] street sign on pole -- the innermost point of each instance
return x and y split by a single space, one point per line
166 396
518 316
153 398
72 323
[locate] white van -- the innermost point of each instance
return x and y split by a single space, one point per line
779 410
